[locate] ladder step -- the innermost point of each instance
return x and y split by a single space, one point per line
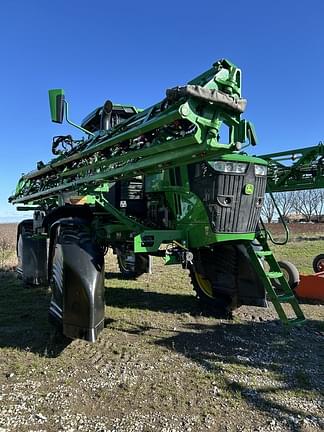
286 295
296 321
263 253
286 298
273 275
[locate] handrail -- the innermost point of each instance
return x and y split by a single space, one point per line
268 233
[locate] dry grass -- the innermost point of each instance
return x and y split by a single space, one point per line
8 232
7 246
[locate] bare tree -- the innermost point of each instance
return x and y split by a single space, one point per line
268 208
309 203
285 202
320 204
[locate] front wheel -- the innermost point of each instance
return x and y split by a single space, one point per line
217 305
213 276
318 263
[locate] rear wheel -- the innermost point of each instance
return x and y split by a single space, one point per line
213 276
318 263
132 265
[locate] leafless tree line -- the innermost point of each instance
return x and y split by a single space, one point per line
308 205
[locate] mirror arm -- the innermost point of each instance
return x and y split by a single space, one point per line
74 124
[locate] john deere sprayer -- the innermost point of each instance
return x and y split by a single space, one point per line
172 181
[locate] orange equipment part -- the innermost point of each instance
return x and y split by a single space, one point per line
311 287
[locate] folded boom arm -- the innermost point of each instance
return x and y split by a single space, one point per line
297 169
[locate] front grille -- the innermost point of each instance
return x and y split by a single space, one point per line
229 208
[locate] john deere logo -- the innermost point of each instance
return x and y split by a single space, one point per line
248 189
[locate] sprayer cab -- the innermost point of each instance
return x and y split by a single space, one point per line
108 116
103 118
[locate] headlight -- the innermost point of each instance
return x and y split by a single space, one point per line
260 170
229 167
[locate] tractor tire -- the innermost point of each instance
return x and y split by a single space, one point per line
56 278
76 275
24 228
290 273
132 265
214 289
318 263
215 306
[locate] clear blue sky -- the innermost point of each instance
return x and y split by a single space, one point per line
131 51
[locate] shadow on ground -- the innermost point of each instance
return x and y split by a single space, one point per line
24 318
137 298
242 352
281 362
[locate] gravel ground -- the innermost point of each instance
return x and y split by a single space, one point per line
159 365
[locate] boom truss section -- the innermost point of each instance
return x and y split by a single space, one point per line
183 128
297 169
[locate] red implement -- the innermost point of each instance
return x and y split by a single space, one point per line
311 287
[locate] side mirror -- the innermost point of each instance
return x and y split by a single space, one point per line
56 100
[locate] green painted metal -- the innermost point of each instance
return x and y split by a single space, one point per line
66 109
200 142
151 240
101 159
171 260
297 169
238 157
56 100
119 216
159 149
286 294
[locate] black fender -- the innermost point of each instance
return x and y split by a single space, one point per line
251 291
24 226
31 254
78 262
67 211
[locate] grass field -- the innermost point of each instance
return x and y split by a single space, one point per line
306 241
160 364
